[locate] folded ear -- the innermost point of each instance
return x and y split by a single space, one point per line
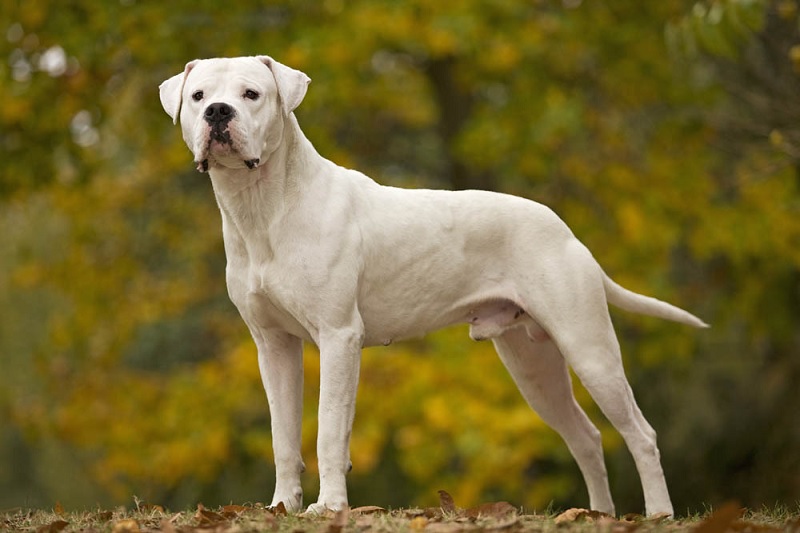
292 84
170 92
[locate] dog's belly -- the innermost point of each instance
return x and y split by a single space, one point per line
441 258
487 318
386 325
402 308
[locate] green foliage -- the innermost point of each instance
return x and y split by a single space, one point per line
125 362
718 27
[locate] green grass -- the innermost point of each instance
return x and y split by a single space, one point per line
499 517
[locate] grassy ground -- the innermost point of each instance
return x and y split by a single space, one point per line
498 517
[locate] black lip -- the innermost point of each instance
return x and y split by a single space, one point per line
221 136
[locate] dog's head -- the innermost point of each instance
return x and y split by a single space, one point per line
232 110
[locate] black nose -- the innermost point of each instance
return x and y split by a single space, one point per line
218 113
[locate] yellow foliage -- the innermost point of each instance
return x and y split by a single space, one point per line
631 220
764 219
501 56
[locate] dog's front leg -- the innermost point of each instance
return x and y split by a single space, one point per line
340 360
280 360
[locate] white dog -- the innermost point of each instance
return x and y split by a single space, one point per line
320 253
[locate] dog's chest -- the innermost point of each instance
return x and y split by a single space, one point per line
264 300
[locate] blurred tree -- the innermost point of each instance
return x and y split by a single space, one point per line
748 248
125 358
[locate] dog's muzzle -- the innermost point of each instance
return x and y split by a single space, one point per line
218 116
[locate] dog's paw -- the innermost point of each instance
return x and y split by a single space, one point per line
321 508
292 503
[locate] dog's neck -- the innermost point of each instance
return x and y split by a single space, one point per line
294 150
250 199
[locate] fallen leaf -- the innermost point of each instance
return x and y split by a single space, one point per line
279 510
148 507
235 509
126 525
431 513
582 515
721 519
503 524
339 521
658 517
58 509
446 502
492 509
633 517
206 518
418 522
367 509
570 515
231 512
168 526
53 527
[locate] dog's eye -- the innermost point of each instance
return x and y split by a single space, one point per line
197 96
250 94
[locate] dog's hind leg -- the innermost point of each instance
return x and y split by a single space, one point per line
600 370
542 377
580 325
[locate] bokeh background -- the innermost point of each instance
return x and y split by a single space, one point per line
666 134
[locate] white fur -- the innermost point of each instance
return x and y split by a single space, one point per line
320 253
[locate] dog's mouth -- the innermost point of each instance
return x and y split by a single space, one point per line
220 137
220 148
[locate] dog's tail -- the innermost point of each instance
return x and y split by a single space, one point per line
645 305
